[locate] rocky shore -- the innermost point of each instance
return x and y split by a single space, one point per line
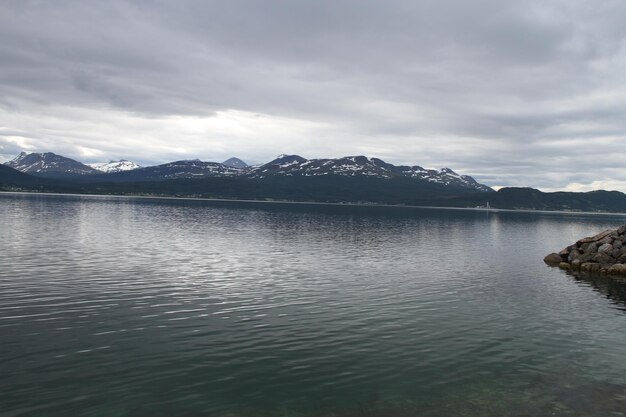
603 253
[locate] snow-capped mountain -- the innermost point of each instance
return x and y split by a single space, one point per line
235 163
49 164
353 166
279 166
179 169
115 166
444 176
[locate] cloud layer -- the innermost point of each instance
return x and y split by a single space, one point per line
515 93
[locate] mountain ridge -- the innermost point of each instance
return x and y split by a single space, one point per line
282 166
290 165
49 164
325 189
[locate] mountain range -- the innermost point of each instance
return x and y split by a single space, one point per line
352 179
56 166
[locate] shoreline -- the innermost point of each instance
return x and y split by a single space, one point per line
232 200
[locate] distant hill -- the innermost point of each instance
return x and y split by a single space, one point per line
532 199
352 179
52 165
323 188
12 176
14 180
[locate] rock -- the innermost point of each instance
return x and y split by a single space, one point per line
574 254
590 267
617 269
603 253
553 259
604 241
586 257
592 248
605 248
603 259
595 238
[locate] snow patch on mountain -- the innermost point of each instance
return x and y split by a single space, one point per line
186 169
115 166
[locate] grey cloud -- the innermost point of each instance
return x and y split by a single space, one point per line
8 150
521 88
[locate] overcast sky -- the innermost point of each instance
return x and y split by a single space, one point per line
514 93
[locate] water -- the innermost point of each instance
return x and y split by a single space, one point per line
149 307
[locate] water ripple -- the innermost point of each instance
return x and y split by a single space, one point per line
173 307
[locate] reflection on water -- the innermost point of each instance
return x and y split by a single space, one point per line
132 307
487 399
613 287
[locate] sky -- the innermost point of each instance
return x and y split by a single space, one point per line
514 93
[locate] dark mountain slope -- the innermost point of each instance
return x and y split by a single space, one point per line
532 199
331 188
14 180
12 176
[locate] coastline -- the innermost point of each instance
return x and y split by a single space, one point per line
229 200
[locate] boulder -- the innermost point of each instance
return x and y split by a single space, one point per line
553 259
603 253
590 267
574 254
603 259
604 241
586 257
606 248
617 269
595 238
592 248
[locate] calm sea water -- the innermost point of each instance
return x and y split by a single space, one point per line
148 307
